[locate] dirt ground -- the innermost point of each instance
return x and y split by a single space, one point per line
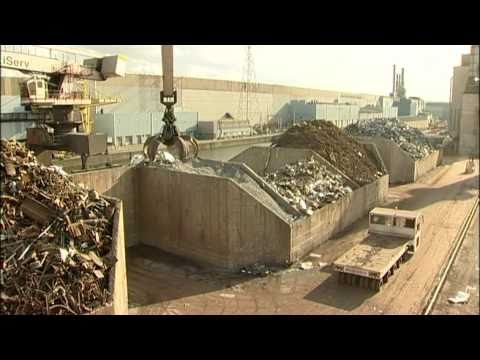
463 273
162 284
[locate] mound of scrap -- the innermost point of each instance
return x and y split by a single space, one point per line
55 239
307 185
342 151
411 140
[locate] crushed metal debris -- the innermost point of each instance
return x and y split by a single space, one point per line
412 140
307 185
330 142
55 239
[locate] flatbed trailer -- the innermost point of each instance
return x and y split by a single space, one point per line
393 235
371 263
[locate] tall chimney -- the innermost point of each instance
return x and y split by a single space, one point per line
394 81
403 78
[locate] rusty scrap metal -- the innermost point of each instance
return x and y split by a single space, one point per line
55 239
308 185
330 142
411 140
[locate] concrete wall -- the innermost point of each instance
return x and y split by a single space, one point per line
264 160
460 77
209 219
469 125
401 167
121 183
212 220
118 273
428 163
310 232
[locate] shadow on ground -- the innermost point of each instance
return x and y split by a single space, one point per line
343 297
154 276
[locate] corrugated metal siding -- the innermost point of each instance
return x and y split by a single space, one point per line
10 104
141 123
17 130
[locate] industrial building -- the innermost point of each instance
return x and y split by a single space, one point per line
191 233
464 110
209 99
441 110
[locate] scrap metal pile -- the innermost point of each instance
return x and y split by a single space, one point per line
345 153
307 185
409 139
55 238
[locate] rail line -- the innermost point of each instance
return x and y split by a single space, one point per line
451 259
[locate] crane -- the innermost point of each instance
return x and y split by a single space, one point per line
57 90
184 147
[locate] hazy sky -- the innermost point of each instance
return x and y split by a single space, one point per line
356 68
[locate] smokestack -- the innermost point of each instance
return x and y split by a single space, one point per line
403 78
397 86
394 80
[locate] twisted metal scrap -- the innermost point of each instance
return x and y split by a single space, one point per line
60 267
330 142
307 185
412 140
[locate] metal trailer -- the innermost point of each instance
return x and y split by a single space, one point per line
392 236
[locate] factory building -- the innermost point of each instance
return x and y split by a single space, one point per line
370 112
440 110
209 99
464 109
341 114
389 110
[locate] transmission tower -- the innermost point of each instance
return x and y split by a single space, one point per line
248 102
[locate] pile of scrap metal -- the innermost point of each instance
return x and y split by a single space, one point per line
330 142
307 185
411 140
55 237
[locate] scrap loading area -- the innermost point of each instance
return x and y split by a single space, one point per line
163 284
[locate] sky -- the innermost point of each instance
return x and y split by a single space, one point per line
354 68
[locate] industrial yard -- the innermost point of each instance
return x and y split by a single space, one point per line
135 194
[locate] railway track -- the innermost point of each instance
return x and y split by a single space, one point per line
432 299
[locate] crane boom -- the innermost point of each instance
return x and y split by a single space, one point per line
98 69
184 146
29 63
167 69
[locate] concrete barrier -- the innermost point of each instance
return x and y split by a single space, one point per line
209 219
401 167
219 221
264 160
121 183
117 281
309 232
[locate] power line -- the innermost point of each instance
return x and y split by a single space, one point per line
248 103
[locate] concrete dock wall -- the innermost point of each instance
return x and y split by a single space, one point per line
214 220
401 167
262 160
209 219
309 232
117 280
120 183
427 164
